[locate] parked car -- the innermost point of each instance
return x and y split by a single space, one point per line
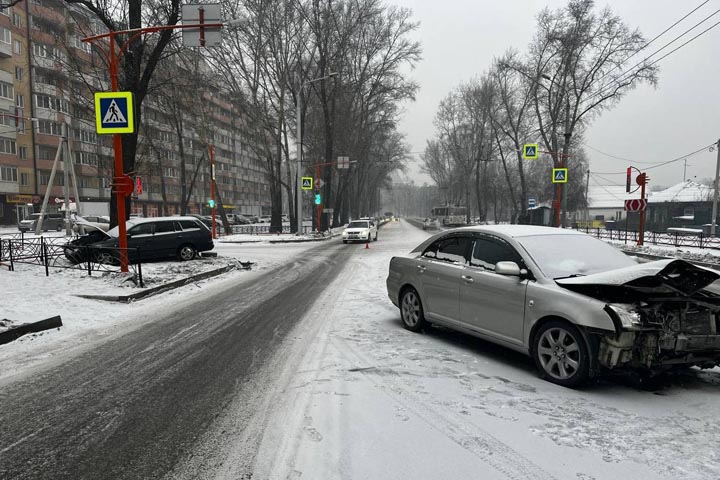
90 223
264 219
51 221
575 304
238 219
360 231
250 217
156 238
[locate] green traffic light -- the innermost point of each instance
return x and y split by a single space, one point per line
211 203
318 199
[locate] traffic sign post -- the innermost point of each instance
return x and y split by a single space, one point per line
531 201
530 151
559 175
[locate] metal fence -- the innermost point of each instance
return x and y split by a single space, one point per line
258 230
57 252
675 239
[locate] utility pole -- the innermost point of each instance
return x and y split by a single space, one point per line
685 170
587 197
298 148
715 192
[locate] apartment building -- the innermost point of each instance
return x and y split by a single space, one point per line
47 80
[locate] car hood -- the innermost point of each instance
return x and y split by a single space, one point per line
356 230
671 277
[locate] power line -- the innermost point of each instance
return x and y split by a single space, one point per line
617 80
683 157
653 39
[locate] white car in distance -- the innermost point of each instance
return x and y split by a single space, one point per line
360 231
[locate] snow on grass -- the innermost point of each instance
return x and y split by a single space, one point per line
368 399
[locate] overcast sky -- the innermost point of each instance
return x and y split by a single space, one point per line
461 37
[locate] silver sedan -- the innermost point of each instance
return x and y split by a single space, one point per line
574 303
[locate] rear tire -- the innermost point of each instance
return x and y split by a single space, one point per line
561 354
345 242
186 252
411 310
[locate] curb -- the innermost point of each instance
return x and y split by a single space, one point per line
334 235
162 288
16 332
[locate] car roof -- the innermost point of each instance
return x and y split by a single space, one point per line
141 220
515 231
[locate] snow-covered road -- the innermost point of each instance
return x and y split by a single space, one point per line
368 399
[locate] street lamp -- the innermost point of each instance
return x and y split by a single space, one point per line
298 146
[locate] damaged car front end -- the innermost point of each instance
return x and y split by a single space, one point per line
666 313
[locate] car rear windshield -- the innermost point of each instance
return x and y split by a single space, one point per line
358 225
560 256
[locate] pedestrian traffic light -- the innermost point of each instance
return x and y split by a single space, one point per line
318 199
211 203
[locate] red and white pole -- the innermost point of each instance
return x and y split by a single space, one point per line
212 189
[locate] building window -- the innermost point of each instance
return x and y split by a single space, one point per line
24 179
5 11
5 35
20 100
18 73
16 20
43 178
19 120
85 136
17 47
7 146
51 103
86 158
8 174
22 152
49 128
7 90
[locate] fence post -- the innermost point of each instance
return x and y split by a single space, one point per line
676 239
86 253
44 248
139 264
10 250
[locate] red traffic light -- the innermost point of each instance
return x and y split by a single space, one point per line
628 180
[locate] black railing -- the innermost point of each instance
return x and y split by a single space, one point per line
56 252
675 239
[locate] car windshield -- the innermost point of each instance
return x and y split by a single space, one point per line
358 224
113 232
573 255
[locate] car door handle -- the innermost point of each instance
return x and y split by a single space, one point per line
468 279
421 268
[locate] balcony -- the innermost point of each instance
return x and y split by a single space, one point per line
5 50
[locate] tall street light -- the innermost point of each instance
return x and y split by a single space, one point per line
298 145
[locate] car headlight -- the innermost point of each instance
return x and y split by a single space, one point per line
628 318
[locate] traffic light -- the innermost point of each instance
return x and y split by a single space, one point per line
318 198
211 203
628 180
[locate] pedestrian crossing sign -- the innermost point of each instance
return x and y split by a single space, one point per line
530 151
560 175
307 183
114 112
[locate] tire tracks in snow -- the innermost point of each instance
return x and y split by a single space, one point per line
480 443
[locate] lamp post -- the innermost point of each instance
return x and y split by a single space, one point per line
298 144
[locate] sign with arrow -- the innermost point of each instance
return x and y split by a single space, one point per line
559 175
635 205
307 183
319 183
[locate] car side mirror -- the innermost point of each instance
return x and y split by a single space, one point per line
510 269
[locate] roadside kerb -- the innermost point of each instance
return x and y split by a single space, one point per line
165 287
18 331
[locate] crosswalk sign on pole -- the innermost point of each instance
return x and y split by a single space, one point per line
307 183
559 175
114 112
530 151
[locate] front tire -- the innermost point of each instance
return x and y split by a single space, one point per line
345 242
186 253
411 310
561 354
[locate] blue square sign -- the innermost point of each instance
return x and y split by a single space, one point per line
114 112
